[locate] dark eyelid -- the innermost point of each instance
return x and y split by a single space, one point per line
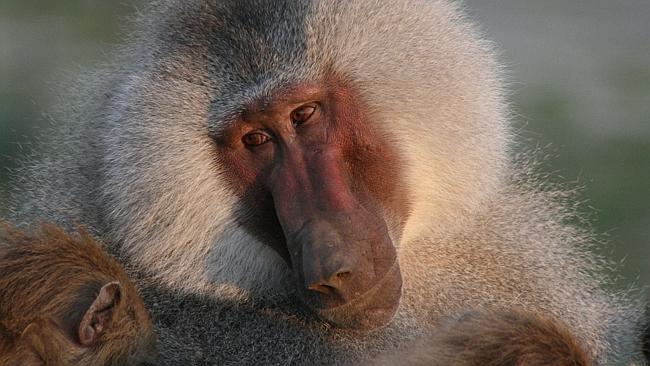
313 109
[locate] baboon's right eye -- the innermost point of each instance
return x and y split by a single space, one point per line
255 139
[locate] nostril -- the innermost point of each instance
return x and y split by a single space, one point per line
323 289
343 275
334 283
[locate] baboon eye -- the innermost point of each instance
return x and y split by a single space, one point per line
255 139
303 114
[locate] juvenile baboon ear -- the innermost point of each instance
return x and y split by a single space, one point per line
98 317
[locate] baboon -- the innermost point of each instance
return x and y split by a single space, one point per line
495 339
317 182
64 301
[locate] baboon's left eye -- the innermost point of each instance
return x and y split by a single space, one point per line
303 114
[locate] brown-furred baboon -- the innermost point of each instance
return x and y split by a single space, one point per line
253 159
491 338
64 301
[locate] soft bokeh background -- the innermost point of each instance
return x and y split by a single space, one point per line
579 72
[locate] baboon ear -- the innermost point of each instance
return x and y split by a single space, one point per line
98 317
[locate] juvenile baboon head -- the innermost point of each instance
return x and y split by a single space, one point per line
63 301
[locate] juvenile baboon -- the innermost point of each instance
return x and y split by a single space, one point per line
252 159
494 339
64 301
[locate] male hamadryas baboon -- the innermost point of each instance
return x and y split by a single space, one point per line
318 181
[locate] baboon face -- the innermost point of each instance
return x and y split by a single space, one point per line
319 177
287 125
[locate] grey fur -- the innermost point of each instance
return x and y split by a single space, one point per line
135 162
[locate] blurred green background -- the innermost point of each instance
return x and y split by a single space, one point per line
579 75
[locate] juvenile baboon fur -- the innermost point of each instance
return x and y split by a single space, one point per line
138 161
64 301
495 339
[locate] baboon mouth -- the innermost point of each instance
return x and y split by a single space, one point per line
371 310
